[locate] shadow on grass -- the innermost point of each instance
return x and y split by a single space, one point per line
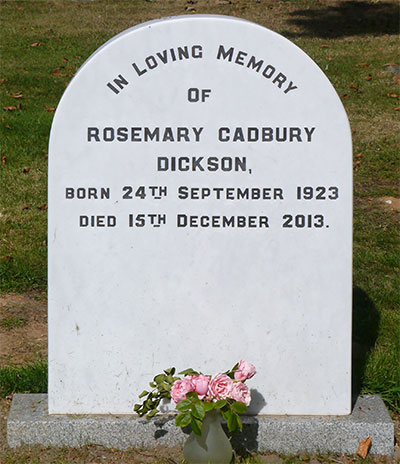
365 332
341 19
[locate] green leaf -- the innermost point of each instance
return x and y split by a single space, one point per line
198 410
196 425
170 371
189 371
183 405
208 406
145 408
152 413
239 423
183 419
162 387
192 396
233 424
160 378
239 407
137 407
226 414
220 404
144 393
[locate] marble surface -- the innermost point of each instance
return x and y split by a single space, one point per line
200 212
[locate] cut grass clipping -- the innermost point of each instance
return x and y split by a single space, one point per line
30 378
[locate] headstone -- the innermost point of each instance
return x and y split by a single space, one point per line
200 212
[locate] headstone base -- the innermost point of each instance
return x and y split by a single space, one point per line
29 423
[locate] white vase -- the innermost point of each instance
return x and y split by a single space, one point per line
212 446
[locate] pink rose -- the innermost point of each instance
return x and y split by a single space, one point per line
241 393
200 384
180 388
220 386
244 371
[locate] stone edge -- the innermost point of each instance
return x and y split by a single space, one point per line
29 423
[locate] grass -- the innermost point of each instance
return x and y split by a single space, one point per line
30 378
42 47
44 42
87 454
12 322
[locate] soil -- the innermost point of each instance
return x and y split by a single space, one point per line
23 328
23 338
391 203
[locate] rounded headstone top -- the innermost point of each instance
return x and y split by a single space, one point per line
152 74
200 201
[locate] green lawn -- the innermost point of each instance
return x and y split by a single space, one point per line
356 44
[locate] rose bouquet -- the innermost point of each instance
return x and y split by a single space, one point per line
195 394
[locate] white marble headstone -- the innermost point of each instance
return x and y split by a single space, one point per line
200 212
